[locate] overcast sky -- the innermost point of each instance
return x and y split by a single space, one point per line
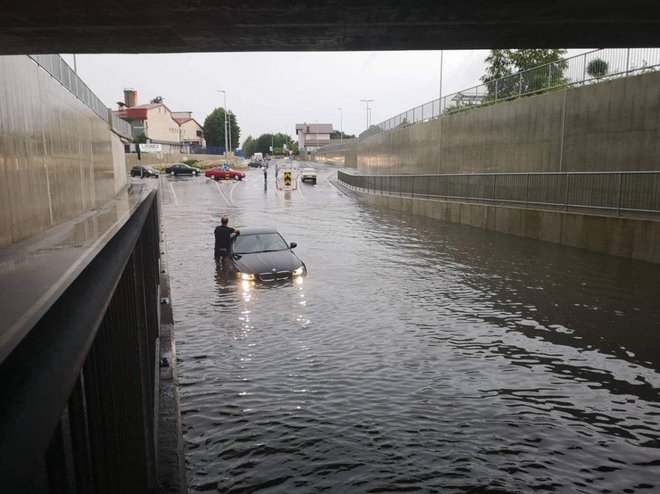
271 92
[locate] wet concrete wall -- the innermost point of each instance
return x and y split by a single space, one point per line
627 237
342 153
58 159
608 126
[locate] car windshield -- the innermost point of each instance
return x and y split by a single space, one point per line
261 242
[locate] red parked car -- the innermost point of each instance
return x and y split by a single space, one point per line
219 173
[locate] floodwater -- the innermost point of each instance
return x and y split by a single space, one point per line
416 356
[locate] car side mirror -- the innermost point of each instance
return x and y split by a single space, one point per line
293 245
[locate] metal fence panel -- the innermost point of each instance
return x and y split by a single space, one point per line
608 191
587 68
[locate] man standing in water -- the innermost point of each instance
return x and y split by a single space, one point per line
223 235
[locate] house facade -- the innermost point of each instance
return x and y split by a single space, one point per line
312 136
192 133
176 132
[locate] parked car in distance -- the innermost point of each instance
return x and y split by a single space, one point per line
144 171
182 169
260 254
308 174
255 164
219 173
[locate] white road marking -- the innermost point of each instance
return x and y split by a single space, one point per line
222 193
176 199
231 193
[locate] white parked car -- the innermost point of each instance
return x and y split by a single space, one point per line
308 174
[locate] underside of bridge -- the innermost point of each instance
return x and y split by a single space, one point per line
169 26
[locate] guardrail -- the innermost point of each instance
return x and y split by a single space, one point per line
60 70
79 405
615 192
593 66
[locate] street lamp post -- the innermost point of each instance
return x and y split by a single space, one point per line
367 101
341 125
229 126
440 98
225 132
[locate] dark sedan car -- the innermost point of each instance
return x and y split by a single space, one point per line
260 253
182 169
143 171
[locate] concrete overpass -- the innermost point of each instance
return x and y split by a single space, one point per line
124 26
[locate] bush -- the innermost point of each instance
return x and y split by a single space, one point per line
597 68
190 162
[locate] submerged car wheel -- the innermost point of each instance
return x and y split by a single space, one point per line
236 177
194 173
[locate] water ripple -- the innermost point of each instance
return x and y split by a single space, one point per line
416 356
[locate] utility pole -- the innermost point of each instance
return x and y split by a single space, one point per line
229 125
367 101
225 132
441 52
341 125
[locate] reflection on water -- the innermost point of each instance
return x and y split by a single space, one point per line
416 356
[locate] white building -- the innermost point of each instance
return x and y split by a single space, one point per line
312 136
176 132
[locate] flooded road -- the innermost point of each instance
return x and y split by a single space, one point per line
415 356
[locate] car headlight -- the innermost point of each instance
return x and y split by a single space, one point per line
299 271
245 276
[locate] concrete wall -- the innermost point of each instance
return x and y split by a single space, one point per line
58 159
342 153
608 126
167 158
632 238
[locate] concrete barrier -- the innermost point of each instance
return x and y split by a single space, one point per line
626 237
167 158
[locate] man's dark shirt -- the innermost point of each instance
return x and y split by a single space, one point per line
222 239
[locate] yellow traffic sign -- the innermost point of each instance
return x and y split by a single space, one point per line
287 179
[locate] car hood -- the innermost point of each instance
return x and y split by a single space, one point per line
265 262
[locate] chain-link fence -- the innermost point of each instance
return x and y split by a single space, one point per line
590 67
60 70
619 192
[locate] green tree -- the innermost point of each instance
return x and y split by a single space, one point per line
510 73
214 129
248 147
157 99
263 143
338 135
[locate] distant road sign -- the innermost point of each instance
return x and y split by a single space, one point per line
287 179
151 148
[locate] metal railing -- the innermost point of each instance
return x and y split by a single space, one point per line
121 126
78 410
615 192
64 74
593 66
